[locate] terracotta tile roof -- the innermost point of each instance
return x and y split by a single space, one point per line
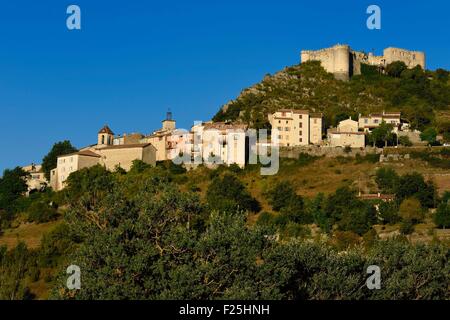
293 111
376 196
225 126
106 129
341 132
126 146
86 153
283 118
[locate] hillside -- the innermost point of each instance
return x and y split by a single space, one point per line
419 95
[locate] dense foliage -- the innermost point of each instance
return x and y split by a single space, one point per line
160 243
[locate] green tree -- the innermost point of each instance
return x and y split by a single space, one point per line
414 185
429 135
386 179
405 141
139 166
89 185
12 187
411 211
396 68
389 212
281 195
41 211
50 160
442 215
442 75
382 134
228 193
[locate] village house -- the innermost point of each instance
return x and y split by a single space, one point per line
222 142
373 120
346 135
104 153
292 128
160 138
36 180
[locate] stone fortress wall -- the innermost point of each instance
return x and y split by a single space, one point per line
344 62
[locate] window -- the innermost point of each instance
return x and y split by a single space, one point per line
315 121
301 125
300 116
287 122
300 132
301 139
280 137
279 128
287 129
375 121
366 121
103 139
279 121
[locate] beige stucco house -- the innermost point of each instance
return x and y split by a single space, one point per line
36 179
292 127
226 142
373 120
104 153
346 134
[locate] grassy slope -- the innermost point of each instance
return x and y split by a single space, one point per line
308 86
30 233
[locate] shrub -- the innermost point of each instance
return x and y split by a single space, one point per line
281 195
411 211
265 219
442 215
228 193
386 179
407 227
40 212
344 240
404 141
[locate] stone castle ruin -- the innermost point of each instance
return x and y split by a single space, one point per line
343 62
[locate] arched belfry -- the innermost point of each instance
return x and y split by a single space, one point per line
105 136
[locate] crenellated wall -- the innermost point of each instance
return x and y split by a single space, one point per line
343 62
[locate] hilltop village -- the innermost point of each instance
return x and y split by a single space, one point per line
227 143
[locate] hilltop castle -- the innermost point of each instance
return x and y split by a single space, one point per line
344 62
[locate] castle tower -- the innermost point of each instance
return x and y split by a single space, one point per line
342 61
105 137
168 124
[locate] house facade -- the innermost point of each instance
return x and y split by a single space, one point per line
36 179
292 127
346 135
373 120
104 153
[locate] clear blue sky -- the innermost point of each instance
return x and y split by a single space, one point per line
134 59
